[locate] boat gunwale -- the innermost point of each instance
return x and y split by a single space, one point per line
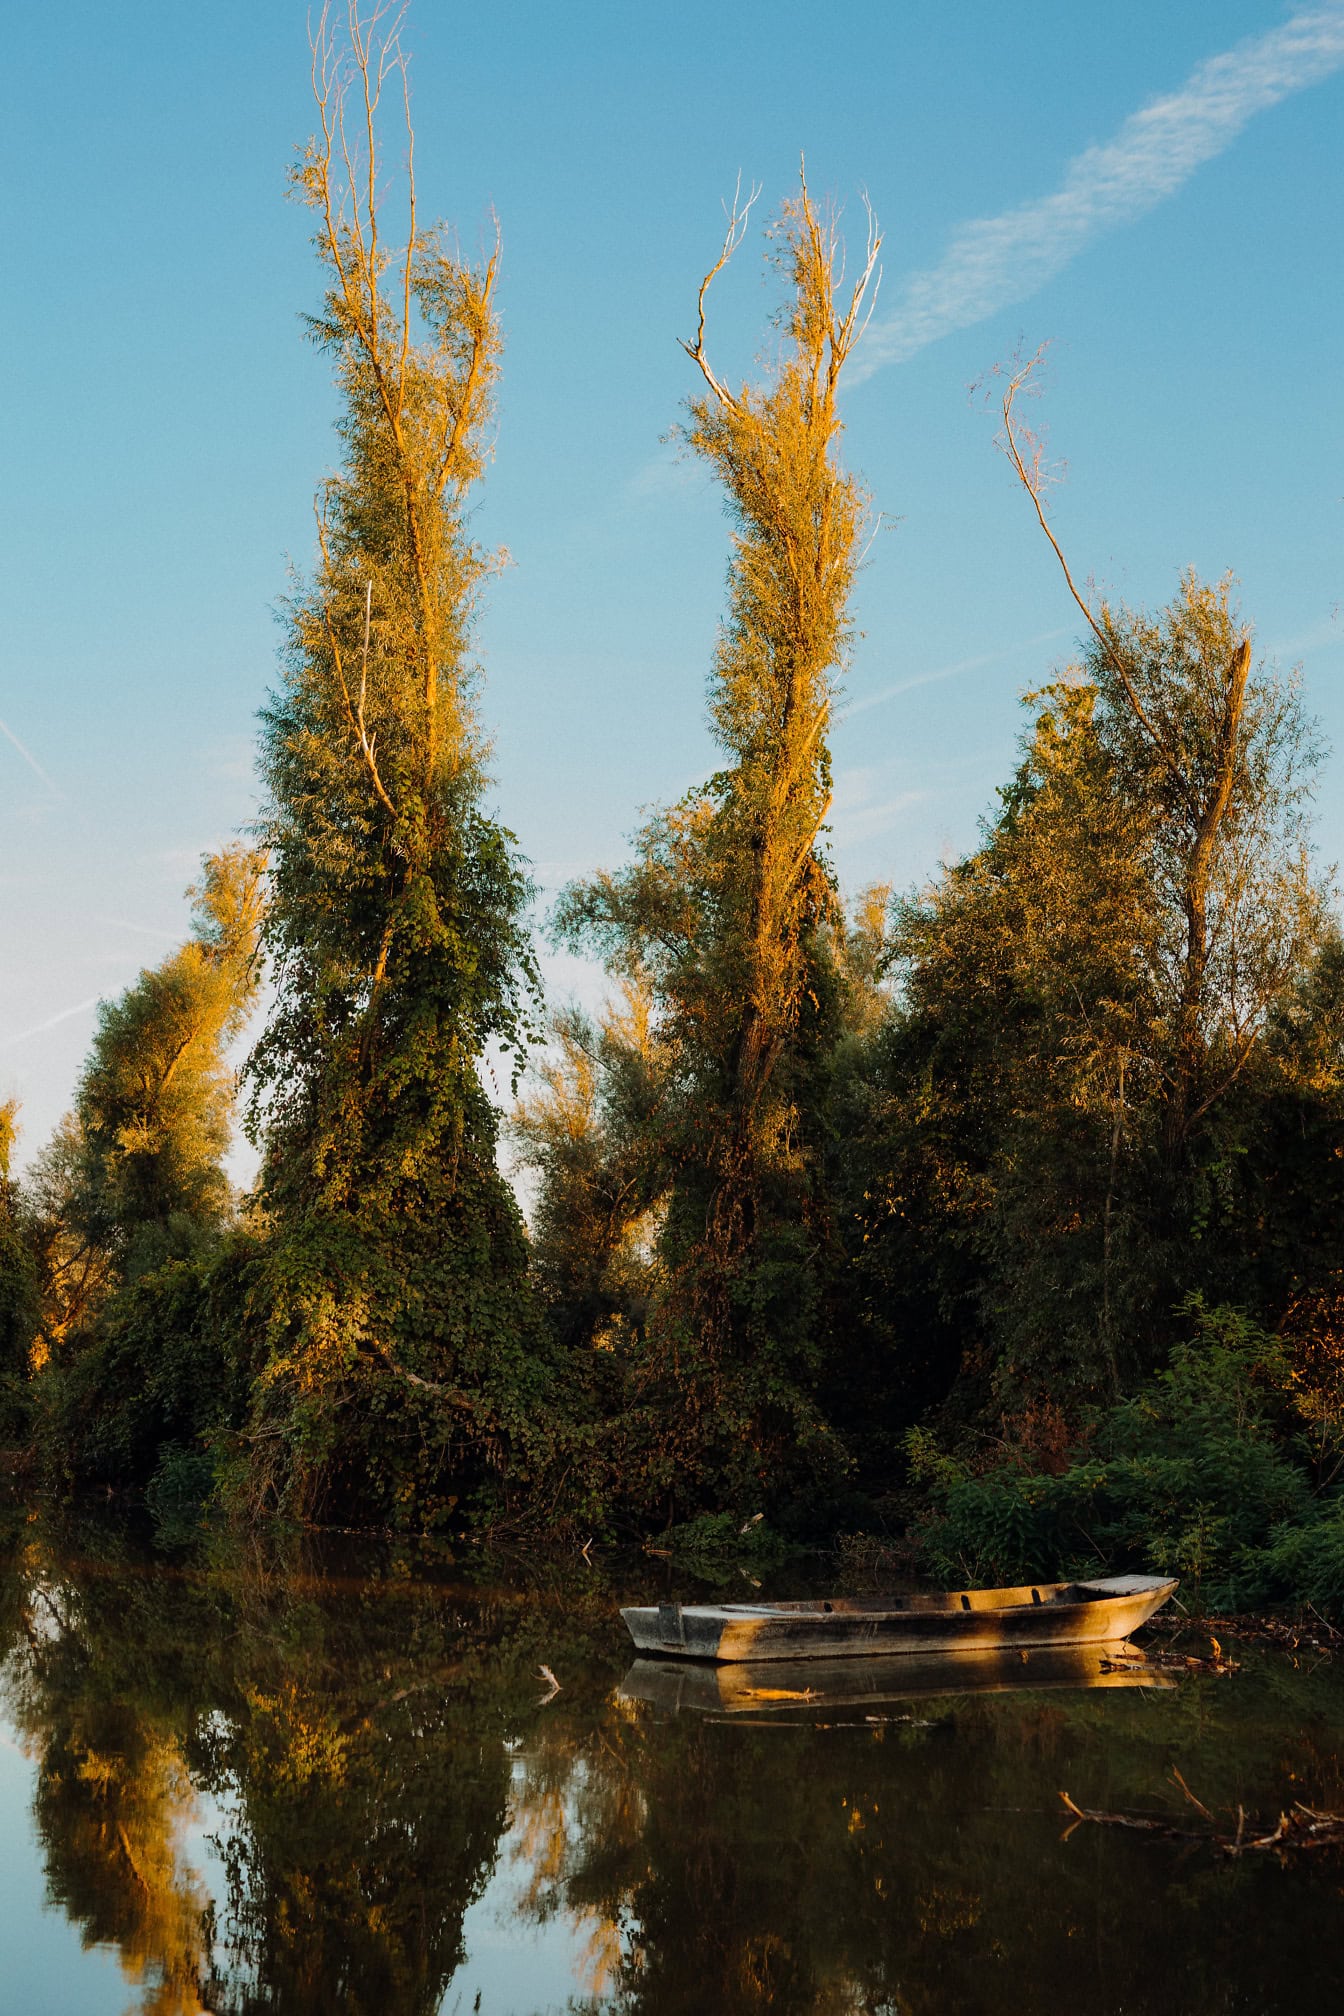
938 1603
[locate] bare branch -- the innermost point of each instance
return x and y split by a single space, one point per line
738 218
1032 481
355 718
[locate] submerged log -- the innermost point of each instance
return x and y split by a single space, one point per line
1303 1827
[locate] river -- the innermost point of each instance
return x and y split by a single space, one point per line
302 1777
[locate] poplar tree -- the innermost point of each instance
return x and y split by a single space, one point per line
155 1102
730 911
18 1287
135 1176
399 1325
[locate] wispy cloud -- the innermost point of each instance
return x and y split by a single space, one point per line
40 1028
143 930
669 473
1327 635
952 671
996 261
867 822
28 758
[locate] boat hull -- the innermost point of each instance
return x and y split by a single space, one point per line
785 1691
980 1620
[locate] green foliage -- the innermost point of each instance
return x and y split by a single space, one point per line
1305 1564
165 1365
729 925
589 1133
155 1100
1200 1474
1066 1123
129 1211
134 1178
18 1289
177 1494
403 1377
403 1350
718 1546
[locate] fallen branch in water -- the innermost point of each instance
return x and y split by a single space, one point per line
1301 1634
1304 1827
1145 1823
1169 1661
553 1686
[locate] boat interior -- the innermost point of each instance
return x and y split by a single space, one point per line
940 1601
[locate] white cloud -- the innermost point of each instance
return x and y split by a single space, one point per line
996 261
1327 635
868 822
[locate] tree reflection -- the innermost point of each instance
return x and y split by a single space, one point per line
916 1864
349 1742
275 1785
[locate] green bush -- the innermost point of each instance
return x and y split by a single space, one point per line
163 1367
1305 1564
1200 1474
179 1490
18 1321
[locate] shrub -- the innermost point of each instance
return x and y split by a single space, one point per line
1200 1474
163 1367
1305 1564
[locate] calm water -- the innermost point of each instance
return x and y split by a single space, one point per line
313 1782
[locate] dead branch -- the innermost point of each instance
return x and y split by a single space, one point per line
552 1686
451 1394
737 230
1032 478
1198 1804
1304 1827
1141 1822
355 718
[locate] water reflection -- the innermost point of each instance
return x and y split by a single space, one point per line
272 1783
810 1690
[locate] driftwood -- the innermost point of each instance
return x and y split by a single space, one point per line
1173 1662
552 1686
1308 1633
1303 1827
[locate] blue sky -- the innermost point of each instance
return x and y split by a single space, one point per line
1157 190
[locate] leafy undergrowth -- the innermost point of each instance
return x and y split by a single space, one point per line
1207 1473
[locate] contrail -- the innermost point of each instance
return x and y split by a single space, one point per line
80 1008
145 930
952 671
29 758
996 261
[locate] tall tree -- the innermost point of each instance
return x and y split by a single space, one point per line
397 1287
729 913
155 1102
1090 1020
1226 763
135 1175
18 1284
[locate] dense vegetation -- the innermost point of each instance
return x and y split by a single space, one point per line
1009 1205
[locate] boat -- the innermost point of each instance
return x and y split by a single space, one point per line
1045 1613
789 1691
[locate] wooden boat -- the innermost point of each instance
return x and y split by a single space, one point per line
788 1690
1050 1613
